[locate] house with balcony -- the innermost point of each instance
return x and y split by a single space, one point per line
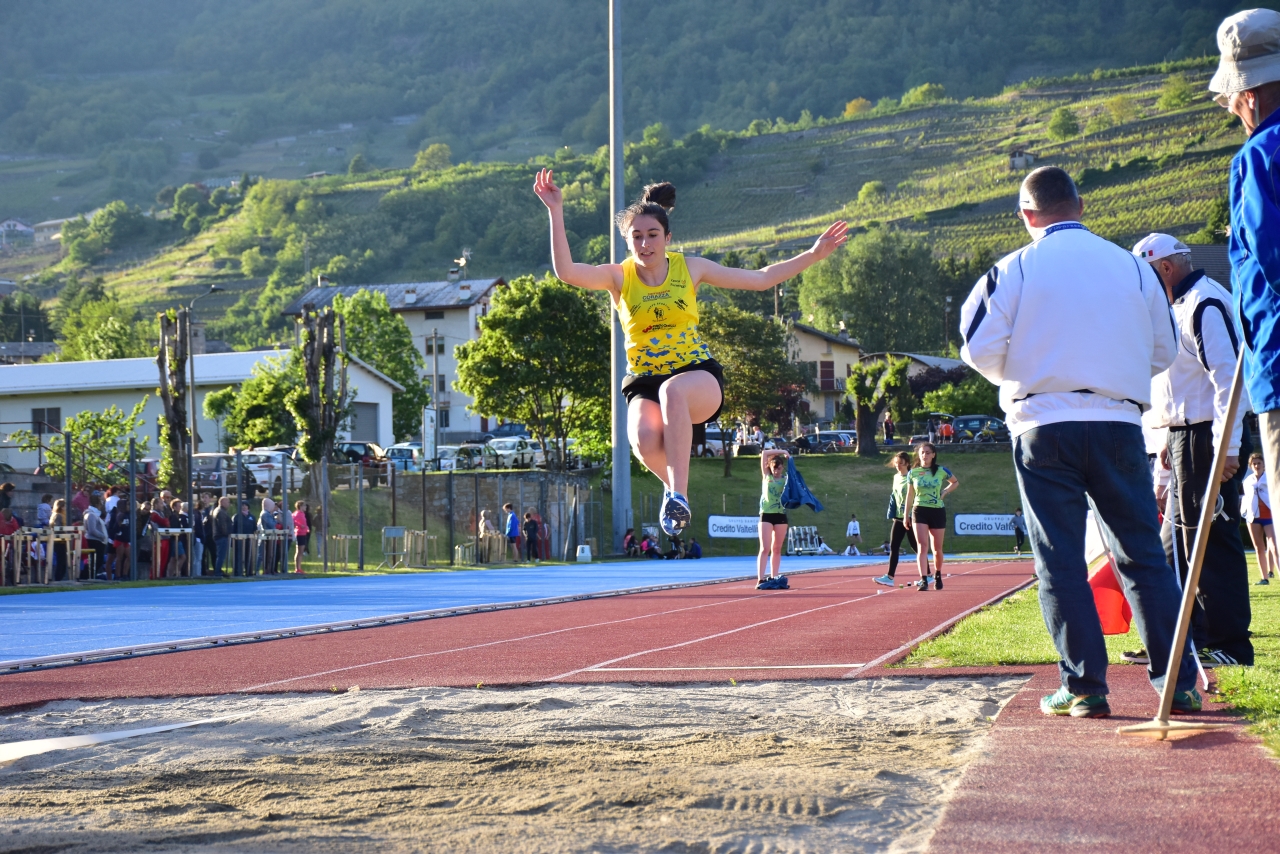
440 316
832 358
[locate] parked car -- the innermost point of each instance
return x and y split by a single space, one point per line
217 473
979 428
468 456
507 431
371 457
835 440
270 468
513 452
717 441
406 456
573 461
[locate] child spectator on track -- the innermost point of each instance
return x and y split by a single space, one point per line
629 545
44 510
513 532
853 533
530 538
301 533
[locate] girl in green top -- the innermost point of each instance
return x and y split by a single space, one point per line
773 519
901 463
927 485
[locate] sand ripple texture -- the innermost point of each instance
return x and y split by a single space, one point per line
755 767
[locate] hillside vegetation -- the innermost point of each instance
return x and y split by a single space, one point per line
939 171
117 99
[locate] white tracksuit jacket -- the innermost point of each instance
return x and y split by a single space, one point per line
1072 328
1197 385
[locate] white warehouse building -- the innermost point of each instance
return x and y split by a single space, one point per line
39 397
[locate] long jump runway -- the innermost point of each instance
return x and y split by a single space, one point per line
830 624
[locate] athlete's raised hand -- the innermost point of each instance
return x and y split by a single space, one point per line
545 188
831 240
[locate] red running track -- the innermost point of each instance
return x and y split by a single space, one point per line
831 624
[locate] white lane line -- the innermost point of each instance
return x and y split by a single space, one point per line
16 750
528 637
734 631
935 631
604 664
756 667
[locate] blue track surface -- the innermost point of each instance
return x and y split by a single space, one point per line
41 624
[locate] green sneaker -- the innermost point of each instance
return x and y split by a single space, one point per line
1063 702
1186 702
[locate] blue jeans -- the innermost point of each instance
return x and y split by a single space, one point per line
220 553
1062 469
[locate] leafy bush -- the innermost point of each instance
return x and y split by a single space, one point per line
926 93
1063 124
433 158
872 191
1175 94
1121 109
856 106
974 396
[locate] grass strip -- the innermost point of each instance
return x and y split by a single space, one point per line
1012 632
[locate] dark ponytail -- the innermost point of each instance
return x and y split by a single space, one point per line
657 200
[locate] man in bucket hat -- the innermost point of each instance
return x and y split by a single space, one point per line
1247 83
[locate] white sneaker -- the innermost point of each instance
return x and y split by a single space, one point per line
886 580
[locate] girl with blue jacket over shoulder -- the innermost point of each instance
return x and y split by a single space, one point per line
672 381
773 520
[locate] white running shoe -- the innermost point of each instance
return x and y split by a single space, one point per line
675 513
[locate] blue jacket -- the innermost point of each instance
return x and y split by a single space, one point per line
796 493
1254 249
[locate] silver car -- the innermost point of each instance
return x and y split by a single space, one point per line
513 452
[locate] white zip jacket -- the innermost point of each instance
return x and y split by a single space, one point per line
1072 328
1197 385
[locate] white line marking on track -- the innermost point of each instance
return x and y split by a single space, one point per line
936 630
604 664
756 667
534 636
16 750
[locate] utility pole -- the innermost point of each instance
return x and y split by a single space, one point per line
617 251
435 389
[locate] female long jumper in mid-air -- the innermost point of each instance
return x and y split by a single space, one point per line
672 381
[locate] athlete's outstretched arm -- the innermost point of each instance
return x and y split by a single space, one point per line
711 273
606 277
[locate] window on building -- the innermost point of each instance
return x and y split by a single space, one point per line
444 419
827 376
433 315
441 385
48 420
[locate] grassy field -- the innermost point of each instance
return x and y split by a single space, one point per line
1013 632
845 484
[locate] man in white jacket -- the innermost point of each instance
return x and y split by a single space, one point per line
1190 399
1072 328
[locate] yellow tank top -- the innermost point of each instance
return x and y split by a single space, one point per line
660 324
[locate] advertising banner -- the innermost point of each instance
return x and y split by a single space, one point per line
738 527
984 524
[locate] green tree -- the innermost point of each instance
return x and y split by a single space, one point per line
259 414
22 317
99 444
358 165
218 405
1218 225
926 93
378 336
973 396
1175 94
434 158
884 286
552 376
102 329
1121 108
871 386
855 107
872 191
759 376
1063 124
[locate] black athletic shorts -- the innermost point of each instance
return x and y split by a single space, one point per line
934 517
647 387
774 518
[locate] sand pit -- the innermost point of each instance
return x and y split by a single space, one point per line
759 767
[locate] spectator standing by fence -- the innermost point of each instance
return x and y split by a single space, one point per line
243 523
95 531
301 534
220 522
512 532
530 538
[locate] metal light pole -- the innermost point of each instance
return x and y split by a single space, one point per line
946 326
617 251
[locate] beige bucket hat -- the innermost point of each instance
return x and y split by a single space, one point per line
1250 45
